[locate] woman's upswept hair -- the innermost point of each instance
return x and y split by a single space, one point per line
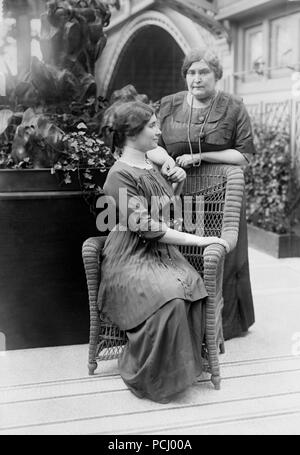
209 57
128 93
122 120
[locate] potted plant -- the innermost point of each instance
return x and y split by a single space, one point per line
273 193
51 162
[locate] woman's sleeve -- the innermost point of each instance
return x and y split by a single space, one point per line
132 206
243 137
164 111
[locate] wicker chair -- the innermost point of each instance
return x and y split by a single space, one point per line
220 190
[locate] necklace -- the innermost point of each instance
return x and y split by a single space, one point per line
134 158
201 134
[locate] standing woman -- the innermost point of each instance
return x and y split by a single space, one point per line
147 286
203 124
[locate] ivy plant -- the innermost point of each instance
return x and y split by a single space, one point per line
271 182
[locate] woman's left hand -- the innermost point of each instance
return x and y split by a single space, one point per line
176 175
185 161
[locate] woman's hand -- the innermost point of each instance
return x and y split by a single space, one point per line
212 240
176 175
167 166
185 161
225 244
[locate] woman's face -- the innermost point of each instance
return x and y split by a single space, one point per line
147 139
200 79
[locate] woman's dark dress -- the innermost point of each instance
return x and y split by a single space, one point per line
227 127
150 290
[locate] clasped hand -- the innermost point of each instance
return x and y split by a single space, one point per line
174 174
185 161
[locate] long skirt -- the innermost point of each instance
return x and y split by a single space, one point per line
238 311
163 354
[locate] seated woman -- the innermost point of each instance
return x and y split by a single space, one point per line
147 287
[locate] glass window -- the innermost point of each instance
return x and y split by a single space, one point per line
253 52
283 45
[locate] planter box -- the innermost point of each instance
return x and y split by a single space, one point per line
277 245
26 180
43 293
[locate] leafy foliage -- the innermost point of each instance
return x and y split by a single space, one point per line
53 115
271 185
32 140
72 39
84 152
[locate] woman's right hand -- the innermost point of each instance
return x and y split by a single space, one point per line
176 175
212 240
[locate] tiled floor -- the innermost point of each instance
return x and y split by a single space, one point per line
48 391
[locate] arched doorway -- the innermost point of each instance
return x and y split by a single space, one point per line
151 61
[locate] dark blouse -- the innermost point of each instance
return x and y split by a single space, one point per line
227 126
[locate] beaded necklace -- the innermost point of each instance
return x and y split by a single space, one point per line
201 134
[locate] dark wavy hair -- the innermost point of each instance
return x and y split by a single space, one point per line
202 54
122 120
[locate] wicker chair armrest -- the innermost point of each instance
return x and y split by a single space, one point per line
231 236
213 255
91 253
233 204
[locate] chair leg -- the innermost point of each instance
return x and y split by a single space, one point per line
94 336
216 380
